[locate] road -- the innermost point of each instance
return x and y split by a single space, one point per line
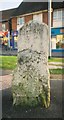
54 111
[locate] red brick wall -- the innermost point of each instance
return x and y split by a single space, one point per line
52 19
28 18
7 25
14 23
45 18
0 26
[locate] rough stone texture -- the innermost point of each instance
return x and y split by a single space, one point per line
31 79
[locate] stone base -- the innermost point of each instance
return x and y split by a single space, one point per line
31 84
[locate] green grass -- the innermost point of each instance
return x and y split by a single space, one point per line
57 71
10 63
56 60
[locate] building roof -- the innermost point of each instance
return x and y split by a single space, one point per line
28 7
6 14
57 5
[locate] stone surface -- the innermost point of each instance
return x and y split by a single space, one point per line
31 79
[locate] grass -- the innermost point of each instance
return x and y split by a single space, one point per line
56 60
57 71
10 63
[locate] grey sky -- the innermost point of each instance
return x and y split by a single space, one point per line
8 4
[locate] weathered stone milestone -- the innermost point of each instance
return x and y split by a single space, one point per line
31 79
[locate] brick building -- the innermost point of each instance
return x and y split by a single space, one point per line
31 11
5 22
15 18
57 29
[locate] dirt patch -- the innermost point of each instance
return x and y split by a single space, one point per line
5 72
56 77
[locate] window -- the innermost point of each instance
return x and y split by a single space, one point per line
3 27
37 17
62 15
57 15
20 21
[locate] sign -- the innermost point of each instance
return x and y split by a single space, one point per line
61 30
14 33
3 34
57 31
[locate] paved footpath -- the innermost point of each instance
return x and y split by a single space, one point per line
5 81
55 65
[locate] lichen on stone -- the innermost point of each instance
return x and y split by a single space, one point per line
31 79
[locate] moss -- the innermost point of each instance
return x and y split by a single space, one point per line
31 88
25 101
43 99
27 97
